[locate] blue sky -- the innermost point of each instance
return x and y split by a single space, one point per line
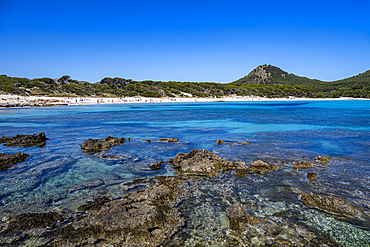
217 41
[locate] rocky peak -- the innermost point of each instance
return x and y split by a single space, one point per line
264 74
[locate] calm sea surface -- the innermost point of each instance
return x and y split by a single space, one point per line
60 175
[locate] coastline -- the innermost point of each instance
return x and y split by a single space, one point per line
45 101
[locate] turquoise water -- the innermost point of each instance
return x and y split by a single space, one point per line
60 175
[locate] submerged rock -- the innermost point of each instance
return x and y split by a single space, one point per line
245 143
331 204
97 204
97 145
144 218
239 220
262 167
108 157
322 159
6 160
312 176
32 220
200 162
24 140
303 164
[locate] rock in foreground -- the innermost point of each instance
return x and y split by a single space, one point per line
6 160
24 140
97 145
331 204
144 218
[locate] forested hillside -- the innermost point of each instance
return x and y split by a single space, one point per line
265 80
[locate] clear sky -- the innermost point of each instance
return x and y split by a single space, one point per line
178 40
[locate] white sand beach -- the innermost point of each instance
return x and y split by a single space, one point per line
21 101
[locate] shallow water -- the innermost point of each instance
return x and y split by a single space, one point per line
61 176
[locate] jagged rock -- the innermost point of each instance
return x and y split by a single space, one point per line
331 204
219 141
303 164
24 140
6 160
241 168
312 176
169 139
262 167
200 162
157 165
95 145
322 159
148 141
146 217
239 220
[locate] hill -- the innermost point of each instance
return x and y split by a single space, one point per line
271 75
357 86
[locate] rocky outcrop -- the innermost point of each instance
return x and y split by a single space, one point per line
200 162
24 140
239 220
262 167
144 218
241 168
302 164
219 141
331 204
172 139
6 160
97 145
157 165
322 159
204 162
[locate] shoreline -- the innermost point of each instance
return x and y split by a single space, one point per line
11 101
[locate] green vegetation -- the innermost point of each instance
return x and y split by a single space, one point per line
264 81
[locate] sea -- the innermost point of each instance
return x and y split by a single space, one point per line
61 176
